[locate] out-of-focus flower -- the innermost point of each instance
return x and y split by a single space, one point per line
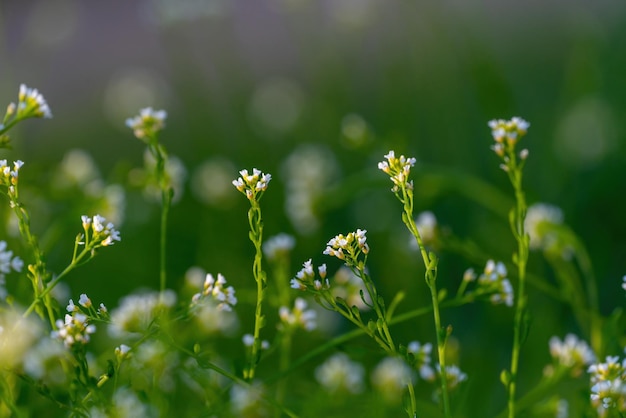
74 330
245 401
308 172
299 316
349 287
137 312
278 245
539 224
571 353
147 124
608 385
17 336
421 353
390 377
340 374
454 375
495 283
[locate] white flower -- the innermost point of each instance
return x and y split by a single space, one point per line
217 291
390 377
540 219
426 223
84 301
277 245
571 352
137 312
32 104
148 122
494 282
252 185
299 316
74 330
339 373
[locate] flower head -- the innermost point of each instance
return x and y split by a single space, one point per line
252 185
148 123
608 385
99 232
421 356
31 104
217 291
278 245
74 330
299 316
398 169
571 353
508 131
338 373
494 282
541 218
306 280
390 377
348 247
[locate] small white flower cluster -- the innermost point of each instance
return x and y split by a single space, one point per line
305 278
99 232
572 352
398 169
421 353
74 330
9 176
608 385
494 281
252 185
86 303
278 245
247 400
540 219
147 123
511 130
136 312
390 377
506 134
454 375
340 374
217 290
31 104
348 247
299 316
308 171
8 263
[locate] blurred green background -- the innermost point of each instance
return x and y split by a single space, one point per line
315 93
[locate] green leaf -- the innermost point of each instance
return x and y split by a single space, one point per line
505 378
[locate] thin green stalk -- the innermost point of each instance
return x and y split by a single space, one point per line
430 263
521 258
256 236
76 261
166 199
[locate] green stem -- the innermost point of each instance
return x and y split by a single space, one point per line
430 263
256 236
166 199
517 224
75 262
